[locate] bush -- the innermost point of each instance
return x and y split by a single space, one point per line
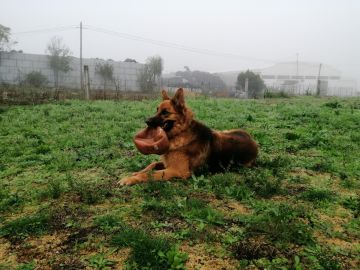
35 79
256 84
274 94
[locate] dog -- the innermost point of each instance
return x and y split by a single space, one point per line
192 144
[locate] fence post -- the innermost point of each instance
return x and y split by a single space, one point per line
247 87
87 82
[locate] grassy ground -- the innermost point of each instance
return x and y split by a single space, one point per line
298 208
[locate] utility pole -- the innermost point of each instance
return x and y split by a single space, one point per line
81 64
87 82
297 70
297 64
247 87
318 82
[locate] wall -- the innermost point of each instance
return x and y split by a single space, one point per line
14 66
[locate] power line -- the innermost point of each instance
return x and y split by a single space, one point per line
53 29
174 45
147 40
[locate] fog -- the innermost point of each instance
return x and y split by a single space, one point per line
206 35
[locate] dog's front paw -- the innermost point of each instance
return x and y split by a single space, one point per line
127 181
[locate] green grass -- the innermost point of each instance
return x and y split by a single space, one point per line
297 208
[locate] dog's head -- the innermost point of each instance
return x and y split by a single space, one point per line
172 114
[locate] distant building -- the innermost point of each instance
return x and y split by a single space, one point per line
301 78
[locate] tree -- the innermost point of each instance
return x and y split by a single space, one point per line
146 79
106 72
156 66
197 79
255 86
130 60
5 41
150 73
35 79
59 58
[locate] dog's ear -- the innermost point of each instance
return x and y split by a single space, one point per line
165 95
178 100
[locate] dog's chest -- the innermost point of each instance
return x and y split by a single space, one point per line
179 141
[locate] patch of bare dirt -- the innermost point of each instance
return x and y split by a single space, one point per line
200 259
6 254
255 248
230 207
42 249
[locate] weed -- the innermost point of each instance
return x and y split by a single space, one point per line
262 182
90 193
54 189
321 258
229 184
353 203
162 190
318 195
26 266
173 258
281 222
333 104
148 252
9 200
353 227
28 225
100 262
107 223
291 136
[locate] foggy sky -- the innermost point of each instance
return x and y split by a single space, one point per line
270 31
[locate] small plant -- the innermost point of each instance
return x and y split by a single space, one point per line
174 258
148 252
90 193
353 203
318 195
262 182
55 188
291 136
100 262
24 226
281 222
321 258
26 266
107 223
333 104
9 200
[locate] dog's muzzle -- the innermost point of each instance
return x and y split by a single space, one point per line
153 122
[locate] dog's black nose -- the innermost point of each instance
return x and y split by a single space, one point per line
151 122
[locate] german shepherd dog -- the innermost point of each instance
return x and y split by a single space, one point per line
192 144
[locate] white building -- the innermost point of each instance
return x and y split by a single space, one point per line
301 78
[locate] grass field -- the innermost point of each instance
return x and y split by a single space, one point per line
298 208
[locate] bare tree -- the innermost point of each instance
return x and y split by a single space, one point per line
150 74
59 58
156 66
106 72
5 40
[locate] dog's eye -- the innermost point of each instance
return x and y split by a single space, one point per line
164 112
